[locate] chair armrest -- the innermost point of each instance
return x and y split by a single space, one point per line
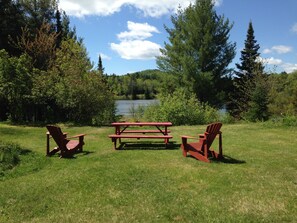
76 136
202 136
185 139
189 137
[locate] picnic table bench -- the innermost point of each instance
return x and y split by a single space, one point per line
161 131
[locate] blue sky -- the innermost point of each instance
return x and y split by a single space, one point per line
128 33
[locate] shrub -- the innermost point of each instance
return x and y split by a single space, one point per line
181 108
137 112
9 155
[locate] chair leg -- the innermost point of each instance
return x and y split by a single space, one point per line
220 146
47 144
183 146
81 143
205 151
183 150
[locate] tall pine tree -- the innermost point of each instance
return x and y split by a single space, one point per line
199 51
100 67
245 79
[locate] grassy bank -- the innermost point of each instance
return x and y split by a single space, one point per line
256 183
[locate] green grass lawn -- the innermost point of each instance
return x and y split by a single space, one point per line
256 183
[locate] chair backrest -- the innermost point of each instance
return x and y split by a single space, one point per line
211 132
57 135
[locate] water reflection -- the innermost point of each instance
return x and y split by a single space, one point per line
124 106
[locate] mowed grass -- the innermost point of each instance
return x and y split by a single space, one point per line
257 182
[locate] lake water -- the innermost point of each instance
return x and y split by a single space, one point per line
124 106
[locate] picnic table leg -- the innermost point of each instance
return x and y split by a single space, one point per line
166 133
114 143
118 132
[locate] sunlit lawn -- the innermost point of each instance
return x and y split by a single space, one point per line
256 183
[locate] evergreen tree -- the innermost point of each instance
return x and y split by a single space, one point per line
249 55
38 12
259 98
59 28
199 51
244 82
12 19
66 31
100 67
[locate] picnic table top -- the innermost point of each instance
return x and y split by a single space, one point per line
141 123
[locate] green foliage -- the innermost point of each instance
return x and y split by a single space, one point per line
16 84
137 113
283 94
258 105
9 156
288 120
249 55
38 12
52 80
83 94
67 92
12 19
181 108
246 95
41 47
140 85
199 51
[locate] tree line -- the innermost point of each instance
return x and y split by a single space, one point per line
45 72
145 84
46 75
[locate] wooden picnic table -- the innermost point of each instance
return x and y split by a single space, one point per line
123 130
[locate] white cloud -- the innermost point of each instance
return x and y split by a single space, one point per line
289 67
104 56
136 49
266 51
271 61
133 43
138 31
294 28
279 49
153 8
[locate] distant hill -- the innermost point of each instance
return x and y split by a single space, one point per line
144 84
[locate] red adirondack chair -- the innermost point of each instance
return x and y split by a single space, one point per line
202 150
66 146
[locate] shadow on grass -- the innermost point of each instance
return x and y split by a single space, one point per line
225 159
74 156
228 160
148 146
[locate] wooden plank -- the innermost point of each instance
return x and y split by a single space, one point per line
141 136
141 124
145 131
